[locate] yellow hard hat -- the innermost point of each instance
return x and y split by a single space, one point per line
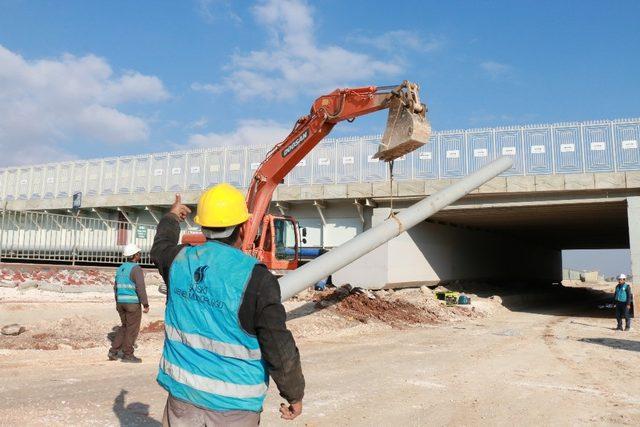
221 206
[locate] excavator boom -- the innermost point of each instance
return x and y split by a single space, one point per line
407 129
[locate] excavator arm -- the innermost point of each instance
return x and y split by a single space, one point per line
407 129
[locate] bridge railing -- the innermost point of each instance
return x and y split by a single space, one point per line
596 146
48 237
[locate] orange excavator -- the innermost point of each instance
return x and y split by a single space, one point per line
274 239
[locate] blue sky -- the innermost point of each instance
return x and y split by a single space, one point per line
121 77
85 79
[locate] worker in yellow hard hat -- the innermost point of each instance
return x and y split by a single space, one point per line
225 330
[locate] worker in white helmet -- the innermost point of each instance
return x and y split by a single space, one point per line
623 298
130 293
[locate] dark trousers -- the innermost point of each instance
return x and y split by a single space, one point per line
130 316
623 311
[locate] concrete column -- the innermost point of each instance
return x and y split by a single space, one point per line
633 219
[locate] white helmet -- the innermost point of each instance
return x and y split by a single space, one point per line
130 250
621 276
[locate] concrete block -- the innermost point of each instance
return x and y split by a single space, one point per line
632 179
610 180
549 182
520 184
359 189
579 181
496 185
435 185
289 193
335 191
27 285
411 188
311 192
51 287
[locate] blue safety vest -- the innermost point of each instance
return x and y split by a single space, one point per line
621 292
125 287
208 360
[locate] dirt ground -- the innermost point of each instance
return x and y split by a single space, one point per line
382 358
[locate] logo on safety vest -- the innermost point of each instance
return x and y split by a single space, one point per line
198 275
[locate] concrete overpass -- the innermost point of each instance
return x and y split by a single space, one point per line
563 193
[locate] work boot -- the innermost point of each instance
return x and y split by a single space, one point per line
113 355
619 328
131 359
628 328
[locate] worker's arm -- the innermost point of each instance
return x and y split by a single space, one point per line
137 276
165 244
262 314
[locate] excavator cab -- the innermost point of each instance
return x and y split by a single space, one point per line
278 243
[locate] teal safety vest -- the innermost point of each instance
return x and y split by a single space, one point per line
621 292
125 287
208 360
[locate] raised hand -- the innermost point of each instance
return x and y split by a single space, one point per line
178 209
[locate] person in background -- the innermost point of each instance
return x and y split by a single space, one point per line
623 299
130 293
225 330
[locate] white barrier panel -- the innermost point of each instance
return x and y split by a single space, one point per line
348 161
214 168
538 151
158 178
125 175
176 176
79 177
255 156
141 171
37 182
598 148
323 158
480 149
452 155
425 160
3 179
109 176
195 170
627 137
65 176
235 166
93 174
24 177
509 143
51 173
372 169
567 149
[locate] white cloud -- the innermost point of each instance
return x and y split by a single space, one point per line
294 61
248 132
47 103
212 10
495 69
400 41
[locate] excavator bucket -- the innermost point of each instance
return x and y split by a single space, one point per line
406 131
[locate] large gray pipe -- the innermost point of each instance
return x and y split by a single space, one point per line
334 260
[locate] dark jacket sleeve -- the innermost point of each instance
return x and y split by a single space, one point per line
165 244
262 314
629 295
137 276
